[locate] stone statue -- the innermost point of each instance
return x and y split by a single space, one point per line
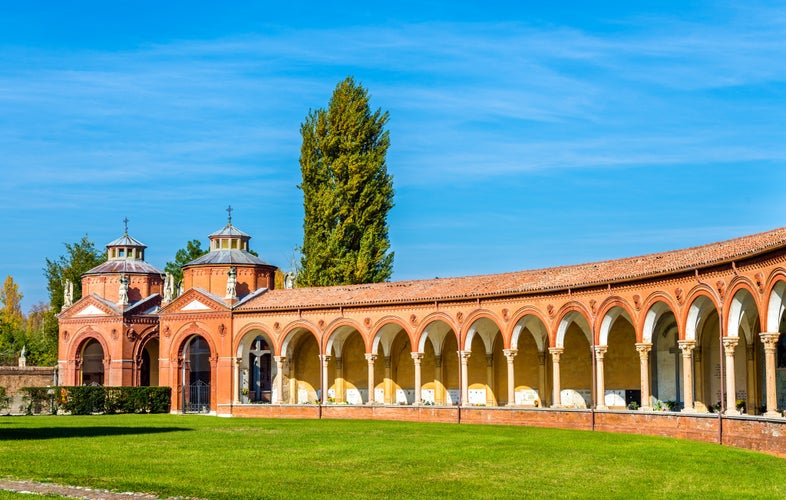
231 283
169 288
22 357
68 294
122 299
289 280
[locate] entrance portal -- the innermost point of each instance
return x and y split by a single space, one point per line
196 376
259 363
92 363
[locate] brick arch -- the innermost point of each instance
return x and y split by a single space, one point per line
690 317
516 327
293 329
468 332
775 293
81 337
336 328
569 308
243 334
603 325
654 308
381 328
186 331
422 335
733 308
145 336
650 302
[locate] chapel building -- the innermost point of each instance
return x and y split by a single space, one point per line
691 330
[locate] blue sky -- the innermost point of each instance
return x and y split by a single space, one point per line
523 135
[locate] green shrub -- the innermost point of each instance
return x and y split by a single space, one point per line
39 400
88 400
5 400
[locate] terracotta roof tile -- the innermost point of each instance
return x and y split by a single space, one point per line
523 282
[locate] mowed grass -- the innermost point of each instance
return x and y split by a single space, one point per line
210 457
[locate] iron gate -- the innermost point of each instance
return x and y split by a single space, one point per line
196 397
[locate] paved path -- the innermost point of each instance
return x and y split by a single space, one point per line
36 488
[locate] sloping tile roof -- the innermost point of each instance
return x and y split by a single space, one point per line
126 241
239 257
523 282
130 266
228 230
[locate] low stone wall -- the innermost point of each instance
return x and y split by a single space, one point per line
15 377
755 433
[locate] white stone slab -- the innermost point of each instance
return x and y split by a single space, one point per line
379 395
574 398
302 396
615 397
452 396
405 396
526 397
427 396
356 396
90 310
477 396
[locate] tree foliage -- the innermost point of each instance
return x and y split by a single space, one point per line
192 251
347 192
80 257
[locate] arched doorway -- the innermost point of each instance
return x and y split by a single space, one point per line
259 371
148 364
92 363
195 376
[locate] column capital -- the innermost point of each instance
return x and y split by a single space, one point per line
556 352
464 355
325 357
643 348
279 359
600 351
769 339
416 357
370 357
729 343
686 346
510 353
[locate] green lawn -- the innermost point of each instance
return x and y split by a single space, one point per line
211 457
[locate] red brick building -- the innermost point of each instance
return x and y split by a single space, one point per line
687 330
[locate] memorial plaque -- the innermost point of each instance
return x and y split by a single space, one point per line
302 396
427 396
615 398
527 397
452 397
477 396
354 397
379 395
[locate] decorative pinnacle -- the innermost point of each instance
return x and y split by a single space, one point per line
125 224
229 211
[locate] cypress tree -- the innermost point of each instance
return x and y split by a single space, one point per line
347 192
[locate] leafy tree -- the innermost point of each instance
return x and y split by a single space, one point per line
80 257
183 256
347 191
12 334
41 347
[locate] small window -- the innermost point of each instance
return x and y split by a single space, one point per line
121 252
234 244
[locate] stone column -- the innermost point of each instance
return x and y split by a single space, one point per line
600 397
542 390
236 381
279 380
510 354
770 341
751 401
339 363
370 360
644 349
388 383
491 392
556 352
417 357
325 385
464 357
729 343
439 389
293 383
687 346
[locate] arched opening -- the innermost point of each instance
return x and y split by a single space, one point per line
148 364
667 365
302 353
576 365
259 371
622 374
347 367
195 375
440 375
532 365
397 372
92 358
486 370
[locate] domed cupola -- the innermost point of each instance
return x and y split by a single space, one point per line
125 269
227 260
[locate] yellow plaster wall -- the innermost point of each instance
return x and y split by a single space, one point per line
575 362
307 366
525 364
622 368
710 376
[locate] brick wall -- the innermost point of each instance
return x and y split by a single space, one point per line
15 377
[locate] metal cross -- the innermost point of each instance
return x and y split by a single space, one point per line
125 223
229 211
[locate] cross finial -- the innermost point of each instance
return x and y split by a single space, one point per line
229 211
125 223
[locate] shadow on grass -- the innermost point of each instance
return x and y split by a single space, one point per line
80 432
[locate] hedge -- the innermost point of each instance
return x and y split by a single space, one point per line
5 400
88 400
